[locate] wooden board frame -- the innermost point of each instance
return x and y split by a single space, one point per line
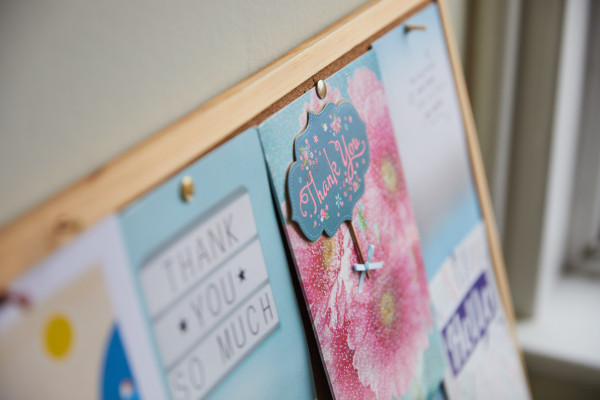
34 235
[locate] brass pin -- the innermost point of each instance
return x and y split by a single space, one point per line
66 226
321 89
187 189
361 255
408 28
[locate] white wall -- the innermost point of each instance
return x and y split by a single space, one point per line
81 81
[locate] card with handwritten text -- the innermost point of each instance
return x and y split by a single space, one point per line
483 360
342 199
215 282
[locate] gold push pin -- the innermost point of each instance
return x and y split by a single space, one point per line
321 89
64 228
187 189
66 225
408 28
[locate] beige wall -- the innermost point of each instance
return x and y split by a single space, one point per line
82 81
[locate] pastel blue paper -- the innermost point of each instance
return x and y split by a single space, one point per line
446 204
280 367
308 179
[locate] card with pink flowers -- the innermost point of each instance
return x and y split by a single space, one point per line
376 335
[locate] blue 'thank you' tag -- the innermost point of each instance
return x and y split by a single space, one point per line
327 176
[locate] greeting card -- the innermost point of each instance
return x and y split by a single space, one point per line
67 326
212 273
482 356
342 198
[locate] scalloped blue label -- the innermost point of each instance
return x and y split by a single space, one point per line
327 177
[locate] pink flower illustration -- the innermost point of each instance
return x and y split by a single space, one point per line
339 358
364 87
399 308
396 332
336 124
368 96
324 214
371 342
326 270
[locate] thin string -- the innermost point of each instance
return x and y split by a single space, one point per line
361 256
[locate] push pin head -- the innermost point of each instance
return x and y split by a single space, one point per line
66 227
408 28
321 89
187 189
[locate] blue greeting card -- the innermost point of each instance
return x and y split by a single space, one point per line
215 283
482 357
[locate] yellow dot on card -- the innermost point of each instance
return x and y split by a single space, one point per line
58 336
386 308
388 173
329 251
